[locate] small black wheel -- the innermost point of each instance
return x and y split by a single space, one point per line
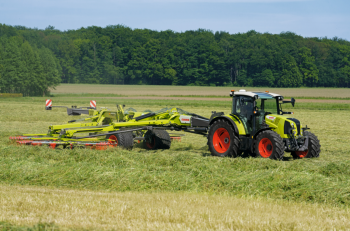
268 144
222 140
157 139
313 150
123 140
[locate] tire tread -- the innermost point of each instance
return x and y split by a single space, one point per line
279 145
232 152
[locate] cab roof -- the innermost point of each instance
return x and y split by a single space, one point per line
261 95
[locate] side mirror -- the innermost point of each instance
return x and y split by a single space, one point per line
292 101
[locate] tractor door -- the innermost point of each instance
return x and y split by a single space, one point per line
260 113
264 107
243 107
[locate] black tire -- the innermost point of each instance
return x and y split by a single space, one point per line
222 140
157 139
313 150
123 140
268 144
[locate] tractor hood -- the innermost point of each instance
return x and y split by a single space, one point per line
284 125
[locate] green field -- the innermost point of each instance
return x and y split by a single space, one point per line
180 188
193 91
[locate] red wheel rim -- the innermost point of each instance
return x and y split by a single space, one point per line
221 140
302 154
113 140
265 147
152 144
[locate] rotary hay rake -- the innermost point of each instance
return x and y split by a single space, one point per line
105 128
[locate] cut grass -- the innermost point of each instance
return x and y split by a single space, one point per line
186 170
91 210
186 167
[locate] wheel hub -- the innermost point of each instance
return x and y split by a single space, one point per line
265 147
221 140
269 147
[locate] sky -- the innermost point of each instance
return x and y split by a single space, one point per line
308 18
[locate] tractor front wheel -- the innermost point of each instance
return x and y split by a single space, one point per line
222 140
313 150
269 144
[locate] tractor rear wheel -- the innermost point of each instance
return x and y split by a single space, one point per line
157 139
222 140
268 144
124 140
313 150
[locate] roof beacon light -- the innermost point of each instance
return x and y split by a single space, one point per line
232 90
267 91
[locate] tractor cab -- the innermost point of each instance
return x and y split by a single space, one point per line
252 107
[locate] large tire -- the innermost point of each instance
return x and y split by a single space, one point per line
268 144
123 140
222 140
313 150
157 139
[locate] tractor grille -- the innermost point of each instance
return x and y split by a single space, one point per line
287 125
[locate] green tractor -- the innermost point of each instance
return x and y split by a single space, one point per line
257 125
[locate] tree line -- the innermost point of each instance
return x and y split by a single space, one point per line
27 69
32 60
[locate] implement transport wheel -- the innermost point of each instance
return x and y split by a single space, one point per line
123 140
269 144
157 139
222 140
313 150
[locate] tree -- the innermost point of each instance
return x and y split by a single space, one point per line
265 79
289 75
308 67
50 70
344 77
13 68
242 79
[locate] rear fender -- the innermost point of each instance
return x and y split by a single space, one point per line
233 124
258 132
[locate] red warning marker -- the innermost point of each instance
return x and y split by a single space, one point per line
48 105
93 104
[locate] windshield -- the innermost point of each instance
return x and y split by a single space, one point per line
267 106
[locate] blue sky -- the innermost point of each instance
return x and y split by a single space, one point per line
309 18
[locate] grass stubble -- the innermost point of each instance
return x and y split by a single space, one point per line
180 188
82 209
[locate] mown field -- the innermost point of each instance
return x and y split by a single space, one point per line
181 188
193 91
